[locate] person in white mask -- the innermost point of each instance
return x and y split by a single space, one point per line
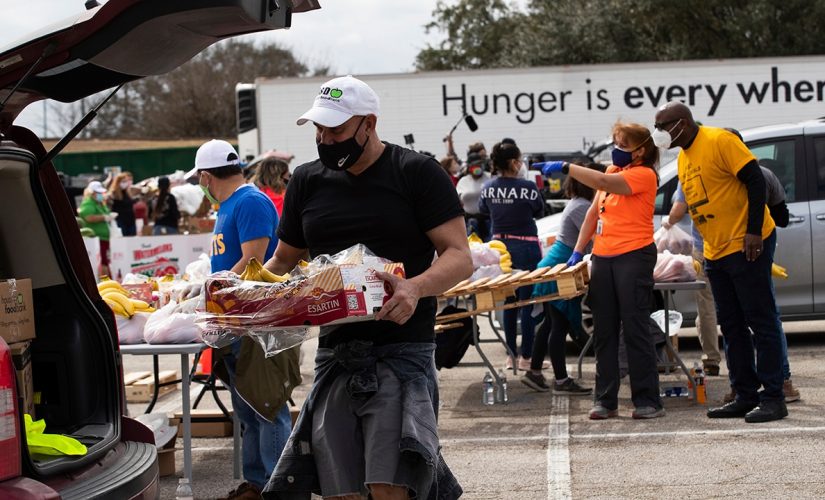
725 193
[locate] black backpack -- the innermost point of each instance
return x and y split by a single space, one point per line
452 343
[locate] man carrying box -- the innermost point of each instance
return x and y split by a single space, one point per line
363 428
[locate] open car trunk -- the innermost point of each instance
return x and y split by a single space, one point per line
75 358
74 355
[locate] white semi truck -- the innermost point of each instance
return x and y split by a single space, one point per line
560 108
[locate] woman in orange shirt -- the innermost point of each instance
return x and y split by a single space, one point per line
621 282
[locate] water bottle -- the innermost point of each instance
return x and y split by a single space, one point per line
502 388
488 390
184 490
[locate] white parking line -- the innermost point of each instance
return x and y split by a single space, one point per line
625 435
708 432
558 453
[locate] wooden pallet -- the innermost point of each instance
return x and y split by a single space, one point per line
491 293
139 386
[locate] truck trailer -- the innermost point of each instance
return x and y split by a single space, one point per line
559 108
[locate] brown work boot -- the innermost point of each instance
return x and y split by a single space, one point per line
244 491
730 396
711 370
791 393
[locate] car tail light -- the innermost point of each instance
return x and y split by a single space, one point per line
9 423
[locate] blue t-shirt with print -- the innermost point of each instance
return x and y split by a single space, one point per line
513 204
247 215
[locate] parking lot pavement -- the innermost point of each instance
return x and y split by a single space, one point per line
543 446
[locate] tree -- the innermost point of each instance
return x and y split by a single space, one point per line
196 99
557 32
480 34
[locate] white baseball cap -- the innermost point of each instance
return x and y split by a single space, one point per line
339 100
214 154
96 187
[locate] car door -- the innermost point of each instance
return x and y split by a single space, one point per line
816 147
785 157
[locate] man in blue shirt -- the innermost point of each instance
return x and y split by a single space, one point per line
245 228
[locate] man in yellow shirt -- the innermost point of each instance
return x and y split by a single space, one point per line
725 193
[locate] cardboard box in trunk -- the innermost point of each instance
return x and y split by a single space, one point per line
16 310
22 358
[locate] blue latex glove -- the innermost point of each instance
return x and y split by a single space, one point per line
548 167
574 259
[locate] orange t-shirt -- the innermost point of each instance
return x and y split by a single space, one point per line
626 221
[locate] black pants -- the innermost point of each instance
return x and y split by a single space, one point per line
620 293
551 336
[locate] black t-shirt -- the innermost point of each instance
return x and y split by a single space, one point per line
125 210
389 207
166 211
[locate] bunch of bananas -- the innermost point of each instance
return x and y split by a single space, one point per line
254 271
118 300
505 262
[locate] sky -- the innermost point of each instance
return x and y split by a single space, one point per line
351 36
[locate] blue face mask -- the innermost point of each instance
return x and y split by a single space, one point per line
622 158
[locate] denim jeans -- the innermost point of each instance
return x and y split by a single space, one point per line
525 255
262 441
745 302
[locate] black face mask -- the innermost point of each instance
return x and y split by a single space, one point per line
342 155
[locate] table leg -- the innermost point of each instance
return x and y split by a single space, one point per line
484 359
584 351
669 345
186 417
156 391
504 342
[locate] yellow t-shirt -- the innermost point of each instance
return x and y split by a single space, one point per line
717 200
626 220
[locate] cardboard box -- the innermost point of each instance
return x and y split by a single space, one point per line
140 386
16 310
21 354
166 458
205 423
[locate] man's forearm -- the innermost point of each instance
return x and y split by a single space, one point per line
751 176
451 267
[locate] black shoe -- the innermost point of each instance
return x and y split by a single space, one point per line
535 381
570 386
767 411
734 409
712 370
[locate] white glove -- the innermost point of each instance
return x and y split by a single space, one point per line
111 216
191 291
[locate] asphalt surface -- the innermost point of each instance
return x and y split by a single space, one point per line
543 446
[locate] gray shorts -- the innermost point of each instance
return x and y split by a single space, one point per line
356 442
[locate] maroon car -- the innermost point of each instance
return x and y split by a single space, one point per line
76 365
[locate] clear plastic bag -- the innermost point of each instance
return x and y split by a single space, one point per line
674 320
130 330
483 255
173 324
336 289
670 268
674 239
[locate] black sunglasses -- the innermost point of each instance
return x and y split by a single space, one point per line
665 125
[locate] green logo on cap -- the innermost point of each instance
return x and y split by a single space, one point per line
336 93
